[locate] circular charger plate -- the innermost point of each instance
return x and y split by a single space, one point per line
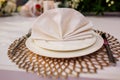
65 45
65 54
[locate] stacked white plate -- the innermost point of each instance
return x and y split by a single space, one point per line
63 33
67 49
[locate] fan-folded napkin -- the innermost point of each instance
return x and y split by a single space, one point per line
61 24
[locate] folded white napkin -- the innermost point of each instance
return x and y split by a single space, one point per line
61 24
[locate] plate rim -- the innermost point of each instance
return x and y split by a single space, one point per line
93 39
63 54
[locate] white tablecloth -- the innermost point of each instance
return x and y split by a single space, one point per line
16 26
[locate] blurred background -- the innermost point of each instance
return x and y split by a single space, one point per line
21 2
87 7
97 7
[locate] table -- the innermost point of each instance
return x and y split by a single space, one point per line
13 27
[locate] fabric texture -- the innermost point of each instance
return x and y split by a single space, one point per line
61 24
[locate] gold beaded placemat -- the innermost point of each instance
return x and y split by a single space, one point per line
61 67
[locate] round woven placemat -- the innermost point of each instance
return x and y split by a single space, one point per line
57 67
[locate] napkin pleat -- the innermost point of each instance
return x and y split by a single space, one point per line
61 24
78 32
81 36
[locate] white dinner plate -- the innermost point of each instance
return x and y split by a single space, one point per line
65 54
65 45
